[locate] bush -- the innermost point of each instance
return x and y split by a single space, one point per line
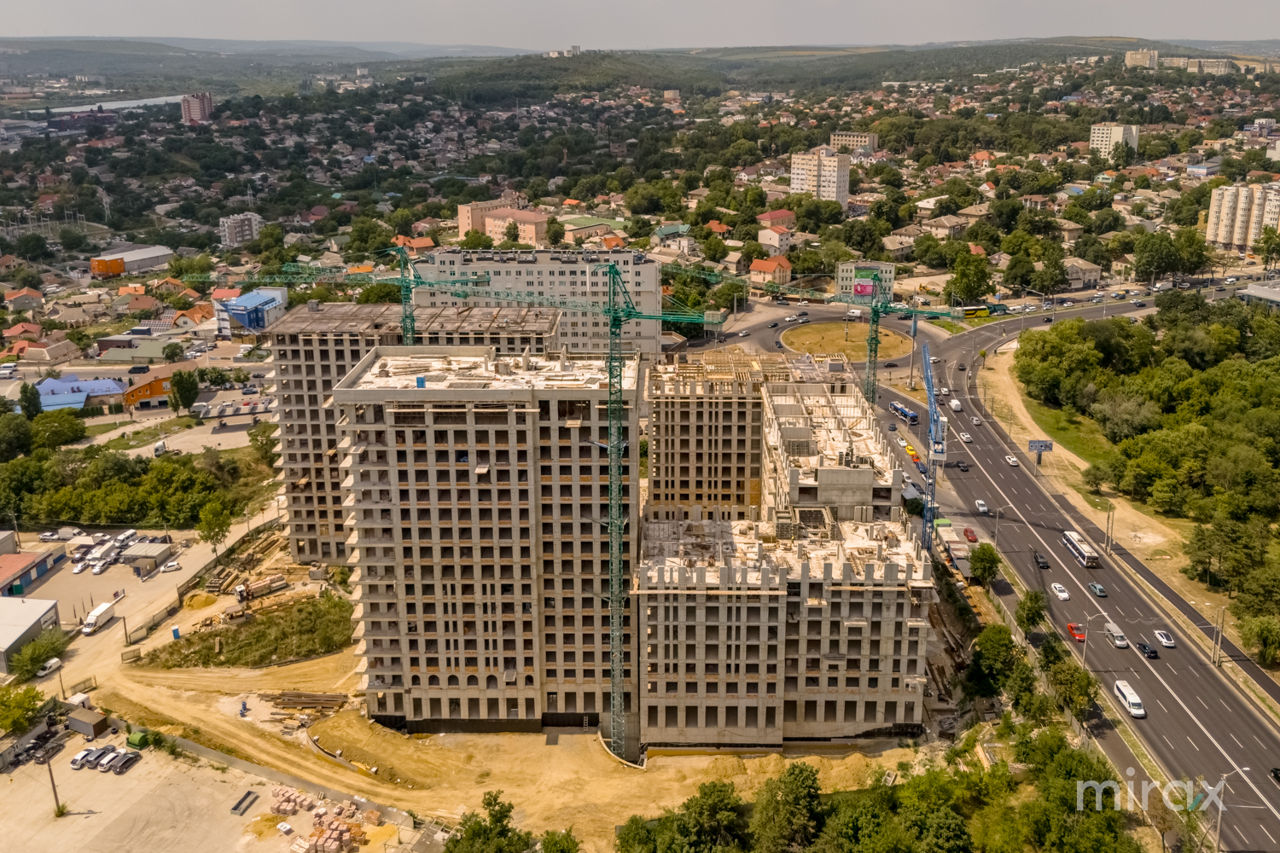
49 643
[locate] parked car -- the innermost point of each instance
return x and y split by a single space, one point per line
49 536
78 567
1164 638
78 759
104 766
50 666
1060 591
1098 589
1076 630
97 756
121 766
171 566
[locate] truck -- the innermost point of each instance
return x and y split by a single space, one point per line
257 589
159 449
98 617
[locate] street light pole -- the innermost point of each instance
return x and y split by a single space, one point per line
1217 841
57 806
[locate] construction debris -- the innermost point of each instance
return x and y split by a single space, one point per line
335 827
306 701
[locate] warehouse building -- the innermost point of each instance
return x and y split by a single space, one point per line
21 621
129 261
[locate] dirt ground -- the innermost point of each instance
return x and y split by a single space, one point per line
555 782
1155 542
829 338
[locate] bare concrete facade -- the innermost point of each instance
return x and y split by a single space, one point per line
477 486
313 346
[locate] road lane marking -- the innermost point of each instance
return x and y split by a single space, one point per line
1268 834
1236 739
1224 703
1162 707
1193 743
1201 701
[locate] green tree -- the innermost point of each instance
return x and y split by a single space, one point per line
29 400
1154 255
1031 611
72 240
1017 275
970 280
714 248
636 836
53 429
788 811
15 436
214 524
172 352
555 231
19 707
381 292
1262 635
1076 688
984 563
184 388
1122 155
713 819
492 832
476 240
32 247
49 643
368 236
1267 246
1051 278
994 656
263 441
1193 252
559 842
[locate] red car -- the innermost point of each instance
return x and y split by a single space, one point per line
1076 630
970 535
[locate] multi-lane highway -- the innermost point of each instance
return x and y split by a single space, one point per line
1198 724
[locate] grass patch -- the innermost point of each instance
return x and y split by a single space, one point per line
151 434
1078 434
829 338
949 326
308 628
98 429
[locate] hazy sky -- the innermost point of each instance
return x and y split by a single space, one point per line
543 24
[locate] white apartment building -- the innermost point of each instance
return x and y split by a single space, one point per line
1104 137
822 173
238 229
314 346
855 140
865 279
1238 213
477 485
573 276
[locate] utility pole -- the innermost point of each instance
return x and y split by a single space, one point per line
1217 640
57 806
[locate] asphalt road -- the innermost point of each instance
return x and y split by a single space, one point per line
1199 725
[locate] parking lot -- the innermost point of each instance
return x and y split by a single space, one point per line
161 803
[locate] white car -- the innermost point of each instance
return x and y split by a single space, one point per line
946 392
933 359
1012 460
1030 308
804 302
1164 638
976 421
1060 591
981 507
792 318
741 334
966 438
49 536
171 566
99 568
78 759
902 442
79 567
1068 304
51 665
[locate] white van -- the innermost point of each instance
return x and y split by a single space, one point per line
1129 700
955 405
8 370
1115 635
125 538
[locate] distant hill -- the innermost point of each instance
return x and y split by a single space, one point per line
373 51
1261 47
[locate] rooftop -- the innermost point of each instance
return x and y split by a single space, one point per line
18 614
473 369
330 317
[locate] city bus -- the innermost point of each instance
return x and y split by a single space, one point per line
1084 554
904 414
977 311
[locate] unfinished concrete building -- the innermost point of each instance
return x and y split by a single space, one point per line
750 640
477 488
706 428
575 276
313 346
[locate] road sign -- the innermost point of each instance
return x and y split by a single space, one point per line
1039 446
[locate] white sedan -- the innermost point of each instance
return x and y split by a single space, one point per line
902 442
966 438
1165 639
946 392
171 566
1060 591
1012 460
79 567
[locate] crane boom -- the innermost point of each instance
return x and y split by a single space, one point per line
937 452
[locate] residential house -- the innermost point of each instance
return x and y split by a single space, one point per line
982 160
718 228
9 263
669 232
898 247
776 270
945 227
974 212
73 316
154 393
783 218
776 240
49 352
131 290
71 392
1034 201
26 299
22 331
134 304
1081 274
413 245
1071 231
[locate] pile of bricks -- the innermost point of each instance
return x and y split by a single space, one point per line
287 801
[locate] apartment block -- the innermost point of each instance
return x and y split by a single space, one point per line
822 173
808 622
239 229
477 488
471 216
865 279
706 430
556 276
197 108
1104 137
855 140
531 226
1239 212
313 347
1142 59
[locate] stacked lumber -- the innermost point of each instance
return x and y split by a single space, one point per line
304 700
